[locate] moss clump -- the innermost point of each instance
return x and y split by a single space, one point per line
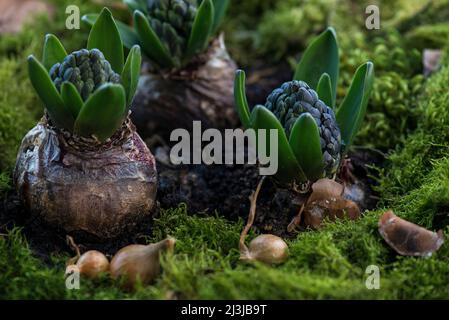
273 30
434 11
15 116
287 28
428 203
431 279
5 183
427 145
392 109
429 36
263 282
23 276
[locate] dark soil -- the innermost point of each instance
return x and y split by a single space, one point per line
227 189
262 79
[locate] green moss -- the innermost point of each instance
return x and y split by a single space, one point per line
428 204
5 183
415 278
429 143
392 109
429 36
15 117
289 27
434 11
325 264
262 282
23 276
274 30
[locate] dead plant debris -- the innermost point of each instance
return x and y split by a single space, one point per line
325 201
408 239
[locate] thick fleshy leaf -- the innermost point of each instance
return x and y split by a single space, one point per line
105 37
305 143
128 35
201 29
220 7
289 169
49 95
353 108
136 5
130 74
241 102
71 98
324 90
103 112
151 44
54 51
321 56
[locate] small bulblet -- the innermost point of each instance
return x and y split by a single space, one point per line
266 248
138 262
92 263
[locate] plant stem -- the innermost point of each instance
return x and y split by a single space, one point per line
296 220
252 214
75 247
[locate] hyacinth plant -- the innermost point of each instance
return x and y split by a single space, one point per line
313 134
87 92
171 32
83 167
188 74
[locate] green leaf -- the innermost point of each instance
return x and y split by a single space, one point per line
103 112
352 110
136 5
240 98
201 29
49 95
128 35
54 51
289 169
151 43
324 90
72 99
220 7
321 56
305 143
131 72
105 37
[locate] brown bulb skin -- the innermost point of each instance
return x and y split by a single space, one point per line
138 262
92 263
267 248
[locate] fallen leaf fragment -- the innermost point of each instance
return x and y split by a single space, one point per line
327 200
408 239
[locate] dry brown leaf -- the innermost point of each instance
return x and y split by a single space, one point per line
327 200
408 239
